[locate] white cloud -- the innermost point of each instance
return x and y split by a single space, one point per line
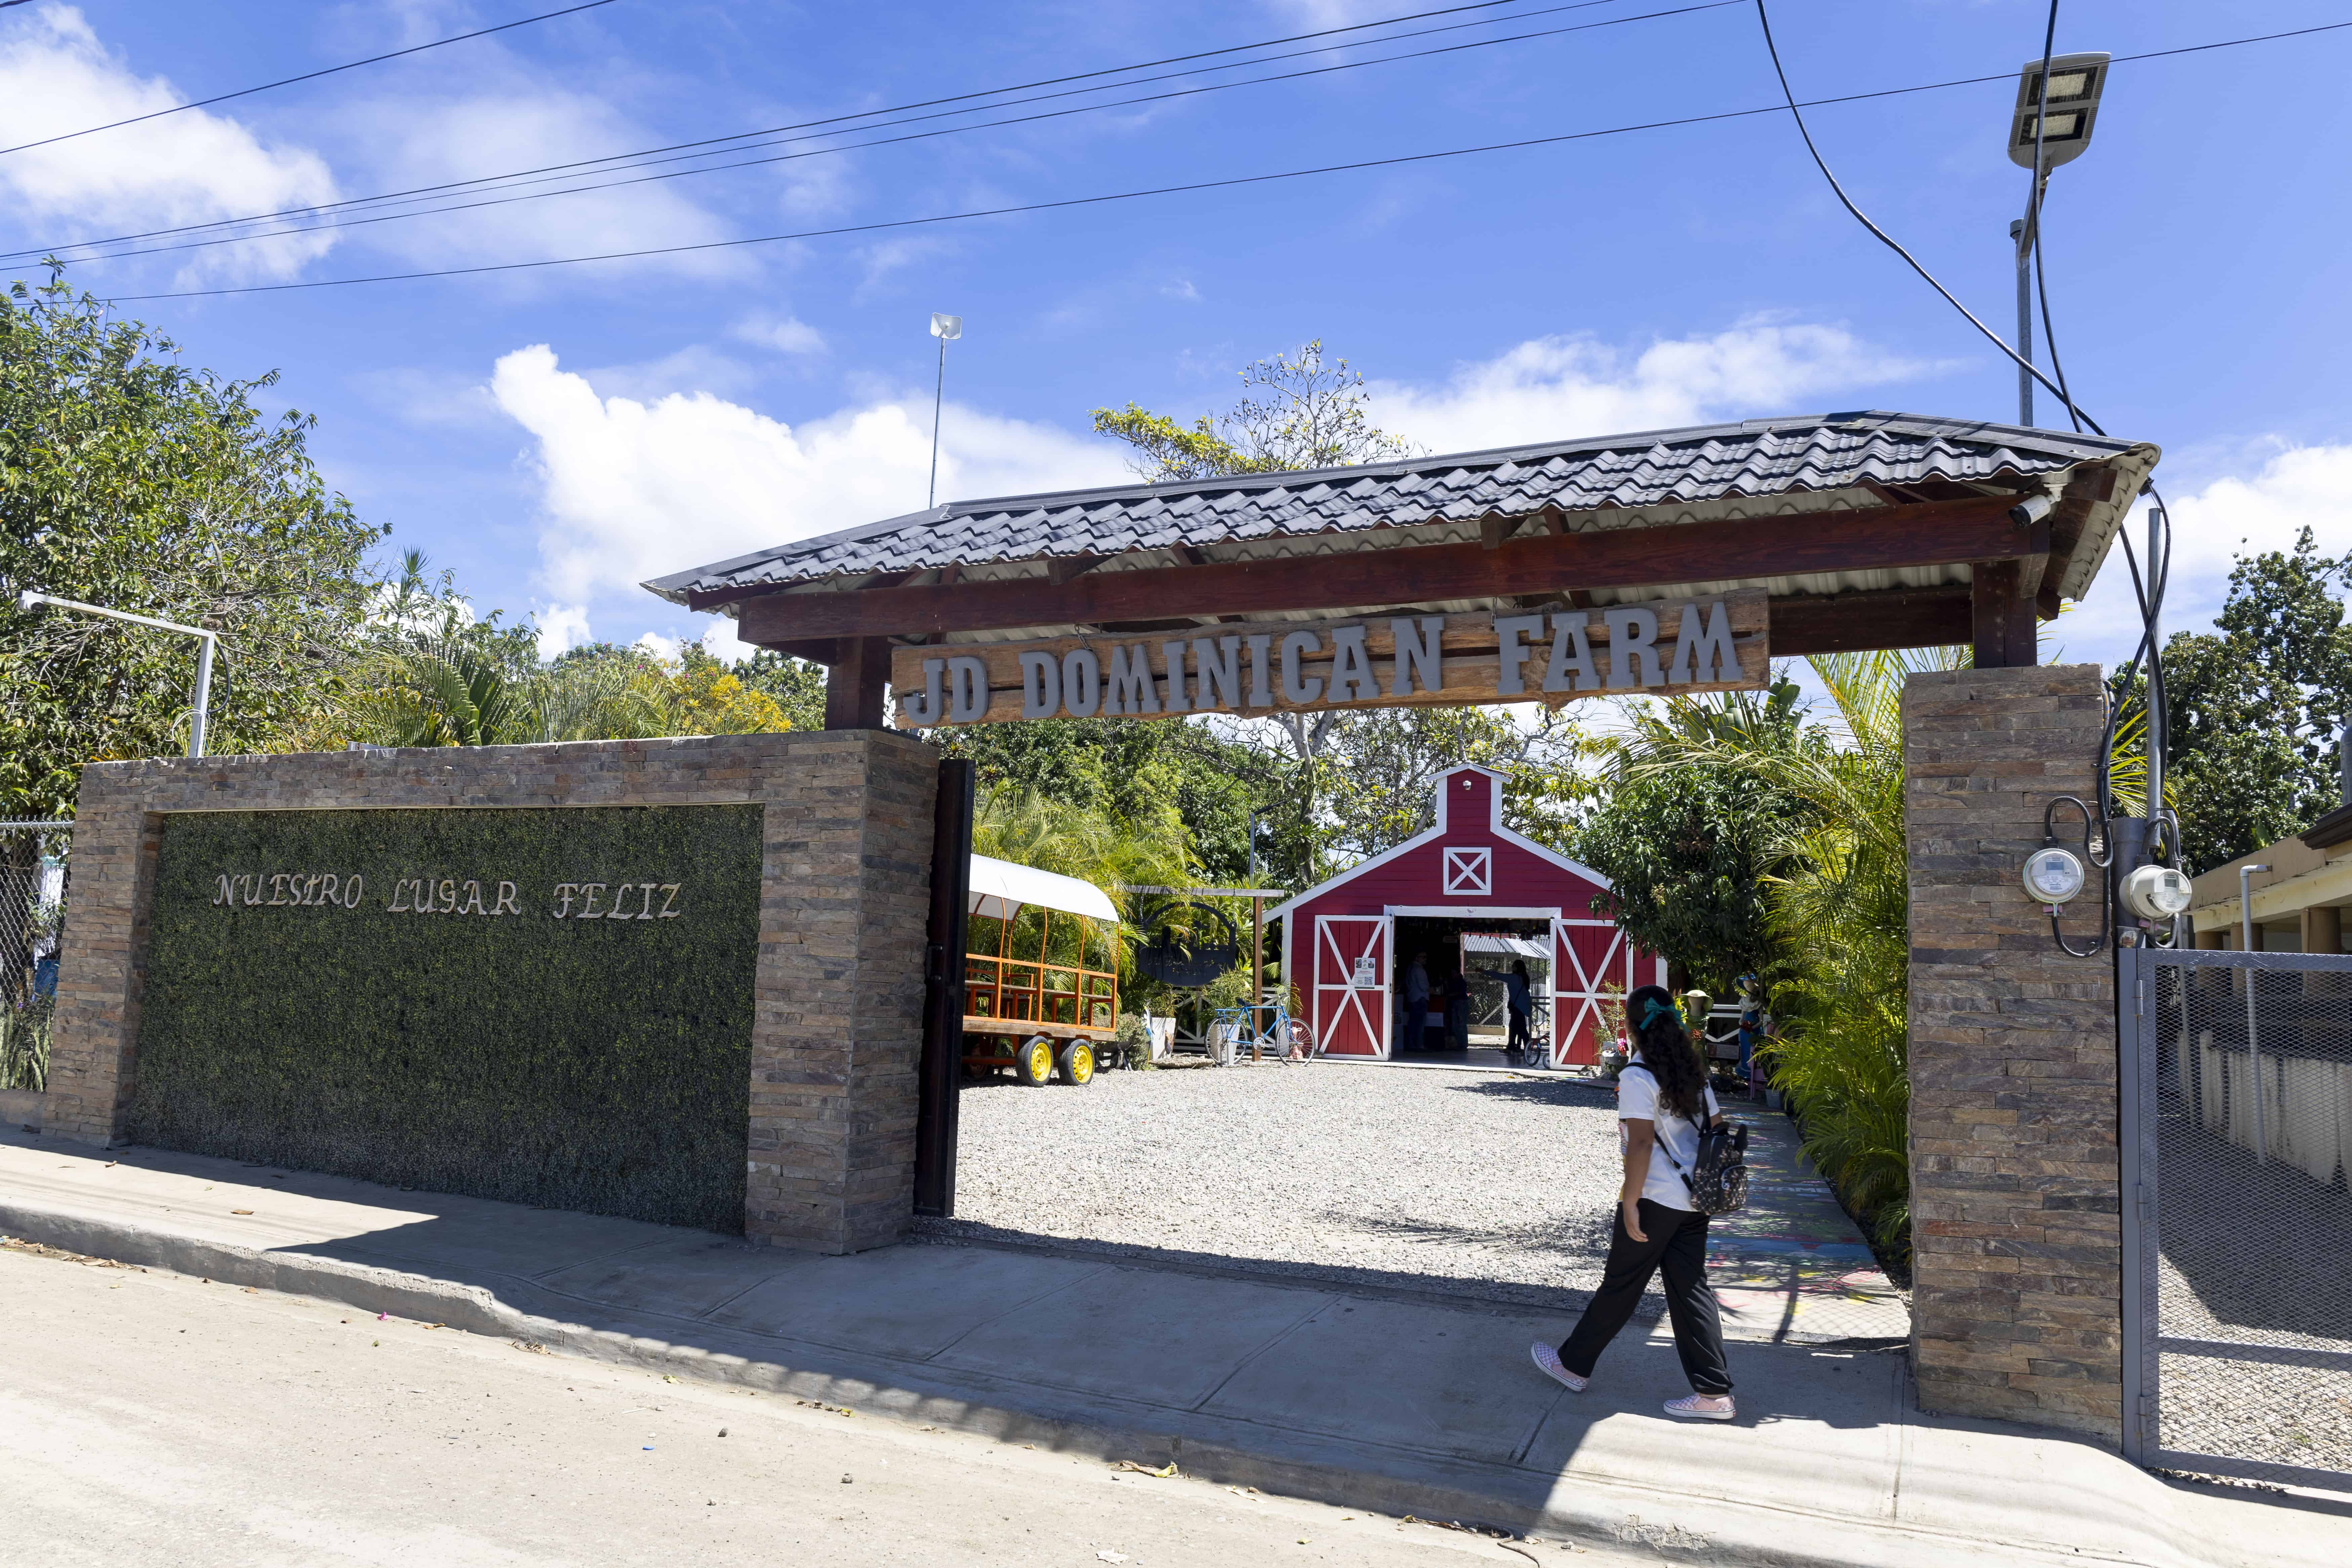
635 489
666 649
785 335
2296 488
188 168
560 627
1554 387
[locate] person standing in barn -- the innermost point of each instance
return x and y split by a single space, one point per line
1416 1003
1518 1003
1662 1100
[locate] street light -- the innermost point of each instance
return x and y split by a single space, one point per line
2046 130
942 328
29 600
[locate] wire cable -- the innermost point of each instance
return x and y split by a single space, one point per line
306 76
719 142
886 141
1230 182
1889 240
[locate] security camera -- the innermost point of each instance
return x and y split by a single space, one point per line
2030 511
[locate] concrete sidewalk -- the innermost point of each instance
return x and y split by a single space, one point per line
1406 1407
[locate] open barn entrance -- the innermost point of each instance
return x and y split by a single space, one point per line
1466 1021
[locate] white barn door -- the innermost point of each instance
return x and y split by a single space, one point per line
1352 985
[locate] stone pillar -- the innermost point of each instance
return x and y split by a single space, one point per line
845 906
2015 1179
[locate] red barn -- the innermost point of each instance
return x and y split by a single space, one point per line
1344 944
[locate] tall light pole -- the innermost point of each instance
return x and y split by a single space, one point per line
29 600
942 328
2057 105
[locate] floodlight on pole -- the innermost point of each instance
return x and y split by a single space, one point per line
2047 127
942 328
27 601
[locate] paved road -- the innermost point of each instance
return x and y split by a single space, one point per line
151 1418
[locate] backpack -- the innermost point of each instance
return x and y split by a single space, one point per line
1717 1179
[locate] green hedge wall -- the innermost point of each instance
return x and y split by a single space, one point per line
500 1044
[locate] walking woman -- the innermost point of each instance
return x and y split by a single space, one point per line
1663 1098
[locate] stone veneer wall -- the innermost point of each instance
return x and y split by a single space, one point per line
2015 1174
845 889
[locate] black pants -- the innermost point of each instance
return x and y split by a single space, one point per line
1414 1020
1518 1038
1677 1245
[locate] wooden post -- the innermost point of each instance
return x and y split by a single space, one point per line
2002 616
2001 620
2323 930
853 684
940 1071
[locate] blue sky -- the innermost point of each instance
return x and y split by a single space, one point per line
557 435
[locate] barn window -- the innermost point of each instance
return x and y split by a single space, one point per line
1469 870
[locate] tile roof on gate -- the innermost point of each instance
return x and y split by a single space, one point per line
1651 469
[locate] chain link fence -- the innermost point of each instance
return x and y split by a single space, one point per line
2238 1224
34 872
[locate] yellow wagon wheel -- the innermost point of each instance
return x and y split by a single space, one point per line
1033 1064
1076 1063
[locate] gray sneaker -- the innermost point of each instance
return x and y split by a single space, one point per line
1703 1407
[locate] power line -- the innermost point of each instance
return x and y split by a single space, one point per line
1202 186
889 141
644 157
306 76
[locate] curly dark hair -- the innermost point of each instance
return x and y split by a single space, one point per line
1667 1052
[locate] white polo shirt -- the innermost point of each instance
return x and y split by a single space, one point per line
1637 1101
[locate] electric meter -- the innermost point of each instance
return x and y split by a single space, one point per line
2156 893
2054 876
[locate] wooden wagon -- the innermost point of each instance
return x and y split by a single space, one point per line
1041 974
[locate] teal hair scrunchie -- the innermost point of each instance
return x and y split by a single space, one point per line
1652 1007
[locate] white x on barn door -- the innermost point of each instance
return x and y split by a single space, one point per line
1588 953
1352 985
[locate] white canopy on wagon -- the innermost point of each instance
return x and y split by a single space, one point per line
1001 888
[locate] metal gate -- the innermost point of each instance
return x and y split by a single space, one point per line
2237 1134
33 858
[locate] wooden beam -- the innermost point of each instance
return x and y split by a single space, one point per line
1059 572
2003 626
1860 623
1929 533
853 684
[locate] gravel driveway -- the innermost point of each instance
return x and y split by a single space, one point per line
1414 1180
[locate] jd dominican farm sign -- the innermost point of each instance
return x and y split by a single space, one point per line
1553 653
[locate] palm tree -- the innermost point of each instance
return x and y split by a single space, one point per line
1841 909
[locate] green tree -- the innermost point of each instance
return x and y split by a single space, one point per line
1690 850
1295 412
430 673
1840 911
1377 773
2254 706
131 480
794 685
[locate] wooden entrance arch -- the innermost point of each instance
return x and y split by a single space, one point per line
1563 569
